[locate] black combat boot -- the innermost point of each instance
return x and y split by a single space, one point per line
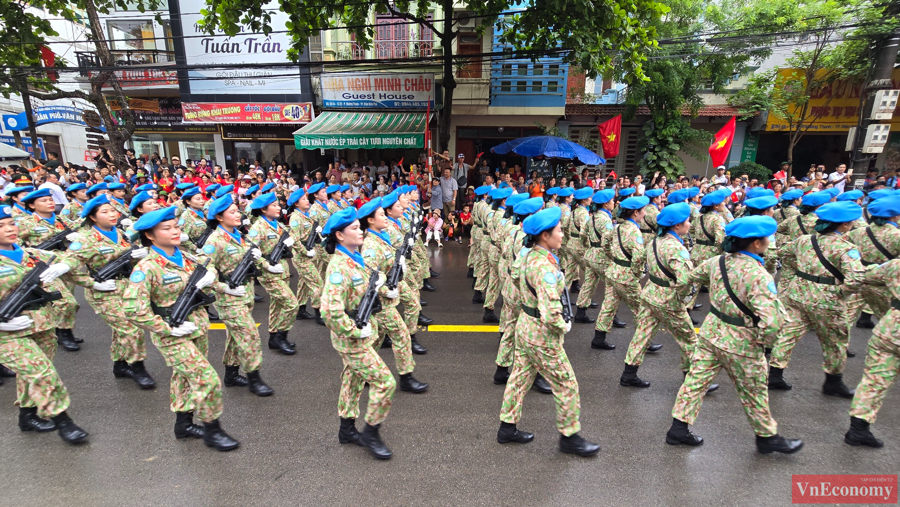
67 429
233 377
858 434
64 339
29 421
211 311
618 323
599 341
302 314
704 289
653 348
257 298
140 376
423 304
6 372
434 274
284 336
776 380
489 316
426 285
629 377
470 273
850 354
409 383
501 375
478 298
416 347
778 443
185 427
576 286
257 386
594 305
697 306
371 440
575 444
541 385
277 341
582 316
423 320
387 343
348 433
122 370
679 434
319 320
73 337
214 436
508 433
834 386
865 321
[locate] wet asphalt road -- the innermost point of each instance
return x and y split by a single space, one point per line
445 451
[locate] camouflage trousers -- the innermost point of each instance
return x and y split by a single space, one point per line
37 381
649 320
309 281
882 367
420 255
362 367
493 278
829 326
511 309
878 300
388 323
553 364
574 263
749 375
127 339
509 315
194 386
481 264
615 292
592 279
283 303
412 305
474 251
69 307
242 345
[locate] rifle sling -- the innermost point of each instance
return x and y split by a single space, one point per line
734 299
884 251
828 265
800 223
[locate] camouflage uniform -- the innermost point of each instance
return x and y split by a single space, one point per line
566 261
625 248
596 261
734 343
877 297
119 206
707 244
648 224
32 231
783 215
540 333
493 225
576 242
71 214
511 247
344 287
309 283
792 229
319 212
481 243
283 303
195 386
192 223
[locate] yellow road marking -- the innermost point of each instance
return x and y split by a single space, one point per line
220 327
463 329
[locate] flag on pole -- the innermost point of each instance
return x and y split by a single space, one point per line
610 132
721 145
428 136
780 175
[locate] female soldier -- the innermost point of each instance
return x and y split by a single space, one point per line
192 222
26 341
648 225
744 319
309 284
765 206
179 192
155 284
480 242
708 232
117 198
564 198
576 244
275 278
877 243
801 224
71 212
334 198
225 249
600 227
409 295
14 200
344 288
540 333
492 242
346 197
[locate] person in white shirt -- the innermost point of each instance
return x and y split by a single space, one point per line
720 178
840 177
59 196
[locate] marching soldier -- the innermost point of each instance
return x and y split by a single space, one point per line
708 232
393 207
764 206
481 239
117 197
345 285
334 198
601 225
309 284
540 333
155 284
877 243
564 199
319 212
14 200
648 225
792 229
550 197
788 209
745 316
71 212
577 245
492 228
179 193
192 221
508 315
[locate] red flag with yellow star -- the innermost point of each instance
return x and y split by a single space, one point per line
721 145
610 131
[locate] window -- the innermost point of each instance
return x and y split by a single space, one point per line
553 70
537 86
552 86
538 70
505 86
506 70
521 86
133 38
523 70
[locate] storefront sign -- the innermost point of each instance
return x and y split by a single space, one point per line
26 144
151 105
360 141
382 90
257 132
168 118
42 116
218 112
146 78
90 154
751 144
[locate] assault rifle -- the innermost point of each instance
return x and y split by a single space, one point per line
367 304
56 242
244 270
190 298
313 235
280 251
29 295
566 305
120 267
395 275
201 239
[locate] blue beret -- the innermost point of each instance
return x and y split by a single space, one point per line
566 192
850 196
756 226
816 198
5 212
528 206
252 190
345 187
584 193
152 219
191 192
483 189
315 188
369 208
834 191
542 221
295 196
95 188
634 202
886 207
339 220
839 212
758 192
693 192
792 195
713 198
115 186
678 196
72 188
211 189
654 192
267 187
552 191
674 214
93 204
877 194
390 199
764 202
144 188
138 200
263 200
184 186
604 196
515 199
35 194
19 190
625 192
498 194
224 190
218 206
109 179
332 189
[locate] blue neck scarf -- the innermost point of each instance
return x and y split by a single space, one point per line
21 208
608 213
396 222
892 223
271 223
199 213
176 258
383 235
16 254
548 251
673 233
111 235
51 220
635 223
120 201
236 236
758 258
356 256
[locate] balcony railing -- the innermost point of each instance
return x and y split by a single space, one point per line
383 50
125 57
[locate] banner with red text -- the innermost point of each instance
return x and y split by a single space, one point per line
234 112
380 90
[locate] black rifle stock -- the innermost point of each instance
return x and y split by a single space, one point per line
566 305
313 235
201 239
244 270
280 251
29 295
120 267
368 302
56 242
191 298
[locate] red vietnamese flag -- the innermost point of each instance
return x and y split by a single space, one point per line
721 146
610 132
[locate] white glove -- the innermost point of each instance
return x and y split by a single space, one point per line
289 242
256 253
392 293
239 291
568 327
380 281
245 221
184 237
53 272
107 286
318 229
139 253
311 253
410 241
24 322
72 236
403 264
363 333
276 269
126 222
207 280
184 329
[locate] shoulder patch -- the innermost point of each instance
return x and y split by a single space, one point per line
640 240
209 249
180 222
336 278
369 253
66 211
609 225
854 253
75 246
294 223
550 278
772 288
684 254
253 233
138 277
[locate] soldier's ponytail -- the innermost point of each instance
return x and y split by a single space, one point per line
733 244
806 209
824 226
330 243
880 220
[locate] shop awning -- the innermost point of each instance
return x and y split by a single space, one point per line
354 131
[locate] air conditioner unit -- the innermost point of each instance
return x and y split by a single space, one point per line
876 138
466 21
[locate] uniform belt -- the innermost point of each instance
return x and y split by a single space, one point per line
620 262
596 244
574 235
824 280
662 282
728 319
895 304
646 231
867 263
531 312
706 243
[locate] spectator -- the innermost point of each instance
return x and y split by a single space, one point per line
840 176
51 181
521 187
451 229
470 197
435 227
435 196
465 217
449 189
720 178
537 187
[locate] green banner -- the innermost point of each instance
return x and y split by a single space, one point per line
358 141
751 143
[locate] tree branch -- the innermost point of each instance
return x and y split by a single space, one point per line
60 94
412 17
